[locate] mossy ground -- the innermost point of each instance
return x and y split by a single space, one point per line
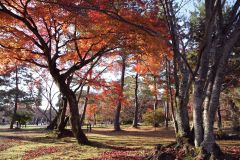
37 143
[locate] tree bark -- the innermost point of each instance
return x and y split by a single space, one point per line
53 124
180 73
219 119
119 105
135 120
62 123
225 49
167 102
198 98
85 106
73 105
16 99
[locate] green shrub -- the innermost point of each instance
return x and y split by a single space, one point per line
23 117
150 119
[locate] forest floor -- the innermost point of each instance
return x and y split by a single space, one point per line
130 144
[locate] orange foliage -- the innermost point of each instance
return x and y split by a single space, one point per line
91 111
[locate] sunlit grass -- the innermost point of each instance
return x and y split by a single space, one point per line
102 139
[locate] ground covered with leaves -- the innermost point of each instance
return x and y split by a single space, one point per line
129 144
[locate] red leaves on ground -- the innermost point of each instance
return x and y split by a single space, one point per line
234 151
122 153
40 151
5 146
8 143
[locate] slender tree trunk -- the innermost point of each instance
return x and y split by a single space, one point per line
50 110
180 73
62 123
119 105
16 100
135 120
219 119
171 95
155 124
167 113
167 102
85 106
53 124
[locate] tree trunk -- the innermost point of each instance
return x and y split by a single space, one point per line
181 76
219 119
75 119
73 106
119 105
155 124
167 113
198 97
16 100
135 120
170 95
209 117
62 123
53 123
167 102
85 106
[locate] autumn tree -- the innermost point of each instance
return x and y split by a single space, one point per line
52 44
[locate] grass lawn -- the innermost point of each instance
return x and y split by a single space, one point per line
129 144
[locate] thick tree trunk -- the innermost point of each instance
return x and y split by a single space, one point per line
85 106
119 105
182 120
135 120
75 119
73 106
198 111
16 100
226 47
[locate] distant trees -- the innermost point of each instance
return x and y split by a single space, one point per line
16 90
22 117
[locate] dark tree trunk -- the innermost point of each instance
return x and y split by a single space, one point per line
167 102
53 123
119 105
180 73
16 100
155 124
62 123
75 119
73 106
219 119
135 120
170 95
85 106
